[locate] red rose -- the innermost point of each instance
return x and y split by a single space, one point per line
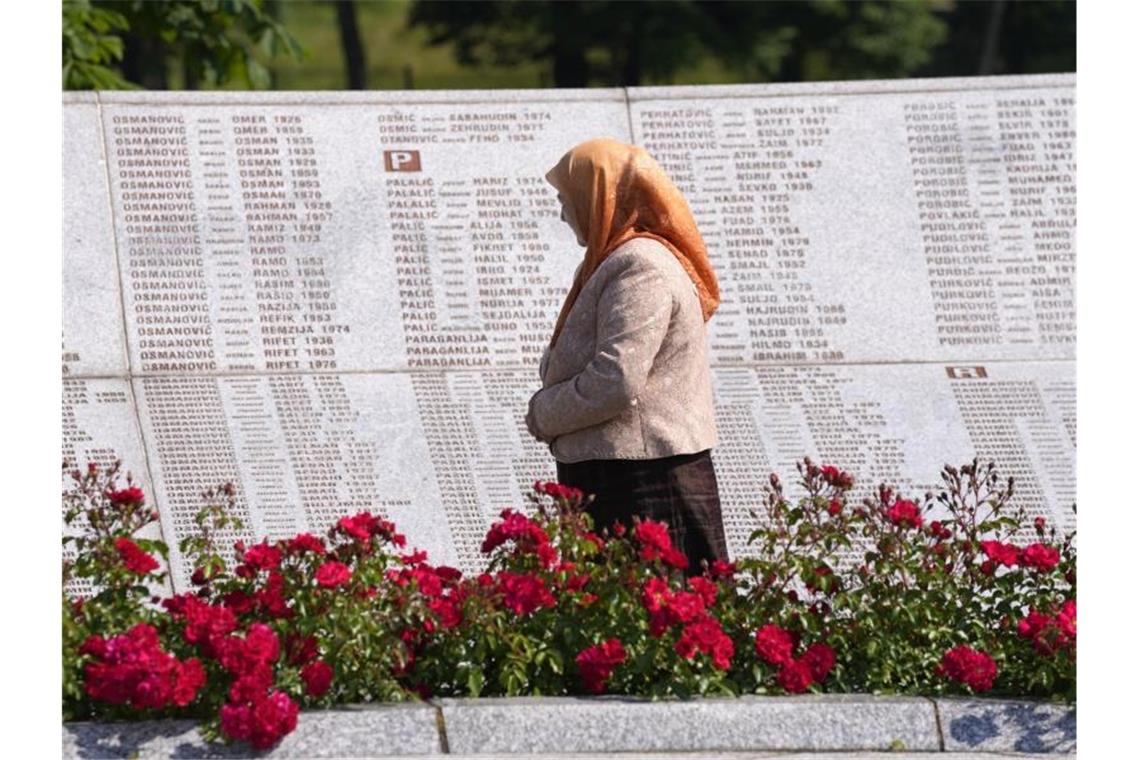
706 635
795 676
449 611
132 669
317 677
524 593
597 663
720 569
684 606
306 542
332 574
968 666
904 513
1040 556
252 684
358 527
272 718
820 659
263 556
205 624
706 588
132 495
517 527
261 644
237 721
656 544
834 507
1004 554
774 644
655 594
134 558
190 678
833 476
271 598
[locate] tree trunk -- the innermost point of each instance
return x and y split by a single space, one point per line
631 71
274 12
144 62
570 66
350 42
189 76
993 34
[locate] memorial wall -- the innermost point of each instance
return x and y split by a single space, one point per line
337 301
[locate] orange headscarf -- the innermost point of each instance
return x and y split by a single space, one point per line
616 192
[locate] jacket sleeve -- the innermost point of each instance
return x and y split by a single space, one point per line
633 315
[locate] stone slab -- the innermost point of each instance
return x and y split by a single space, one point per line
441 453
368 731
93 339
983 725
863 226
298 237
621 724
773 756
813 201
99 425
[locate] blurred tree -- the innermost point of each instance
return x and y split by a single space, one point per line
90 46
1027 37
212 41
611 42
350 40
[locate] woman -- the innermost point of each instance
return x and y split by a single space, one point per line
626 402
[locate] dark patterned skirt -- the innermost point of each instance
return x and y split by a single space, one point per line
679 490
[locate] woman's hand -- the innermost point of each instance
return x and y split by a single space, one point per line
531 427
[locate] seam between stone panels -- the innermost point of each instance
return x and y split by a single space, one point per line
629 114
105 155
937 723
530 368
151 481
441 729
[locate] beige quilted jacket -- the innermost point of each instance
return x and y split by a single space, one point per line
629 376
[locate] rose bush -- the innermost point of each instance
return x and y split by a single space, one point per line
957 593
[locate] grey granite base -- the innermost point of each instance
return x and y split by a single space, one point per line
626 724
813 726
365 731
1007 726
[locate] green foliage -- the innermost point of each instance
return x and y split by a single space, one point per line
214 41
899 596
623 43
873 598
90 45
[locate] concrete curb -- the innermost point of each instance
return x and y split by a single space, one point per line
550 726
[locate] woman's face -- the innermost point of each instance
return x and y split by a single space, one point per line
569 219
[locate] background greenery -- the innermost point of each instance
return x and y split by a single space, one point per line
405 44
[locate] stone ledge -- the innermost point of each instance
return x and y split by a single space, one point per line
356 731
629 724
991 725
579 726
